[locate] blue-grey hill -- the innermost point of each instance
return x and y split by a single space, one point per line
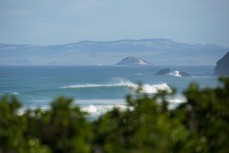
155 51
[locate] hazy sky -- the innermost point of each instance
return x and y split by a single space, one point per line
66 21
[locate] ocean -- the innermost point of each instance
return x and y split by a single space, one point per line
96 89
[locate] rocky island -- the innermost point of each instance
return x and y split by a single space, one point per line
163 72
222 65
173 73
131 60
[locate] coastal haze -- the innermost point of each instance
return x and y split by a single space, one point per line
156 51
49 22
103 32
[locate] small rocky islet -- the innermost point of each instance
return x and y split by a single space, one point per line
177 73
131 60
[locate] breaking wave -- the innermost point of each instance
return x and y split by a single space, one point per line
175 73
118 84
146 88
13 93
97 110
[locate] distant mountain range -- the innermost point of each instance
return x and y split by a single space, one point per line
155 51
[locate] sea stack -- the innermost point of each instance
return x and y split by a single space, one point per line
222 66
163 72
184 74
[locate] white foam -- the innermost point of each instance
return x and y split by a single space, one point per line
120 107
146 88
139 74
117 84
149 89
13 93
89 109
177 99
99 101
175 73
96 110
23 110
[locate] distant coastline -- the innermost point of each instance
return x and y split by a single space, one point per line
155 51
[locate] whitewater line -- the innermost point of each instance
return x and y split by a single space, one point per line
146 88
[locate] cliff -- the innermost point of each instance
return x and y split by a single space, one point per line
222 66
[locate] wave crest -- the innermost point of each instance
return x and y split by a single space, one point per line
118 84
145 88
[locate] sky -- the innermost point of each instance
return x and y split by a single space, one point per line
51 22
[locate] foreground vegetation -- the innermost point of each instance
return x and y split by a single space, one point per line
199 125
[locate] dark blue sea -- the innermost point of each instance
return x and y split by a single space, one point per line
96 89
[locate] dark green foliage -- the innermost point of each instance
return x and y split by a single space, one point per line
148 128
10 125
207 113
148 125
63 128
